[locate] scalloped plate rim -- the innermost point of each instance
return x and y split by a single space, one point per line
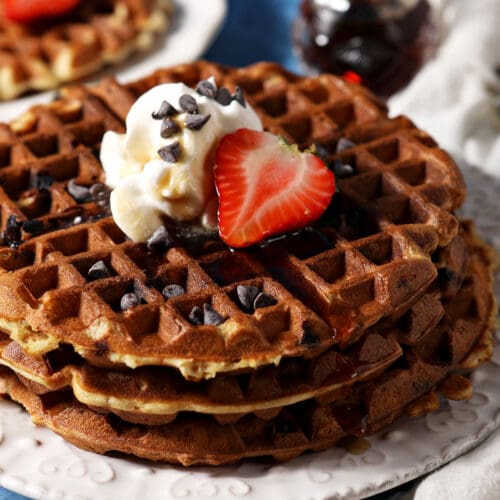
38 463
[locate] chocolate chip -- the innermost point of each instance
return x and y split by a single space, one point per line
128 301
321 151
170 153
197 239
239 97
206 88
308 337
168 128
13 231
80 194
211 316
196 122
166 109
273 239
173 290
98 191
246 295
98 271
41 181
33 226
342 170
344 144
188 104
196 316
263 300
160 240
139 290
223 96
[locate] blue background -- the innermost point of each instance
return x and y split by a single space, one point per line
257 30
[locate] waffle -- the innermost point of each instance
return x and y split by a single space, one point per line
41 56
462 339
376 306
369 261
155 395
152 395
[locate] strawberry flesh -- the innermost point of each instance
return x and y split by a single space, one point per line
266 187
26 11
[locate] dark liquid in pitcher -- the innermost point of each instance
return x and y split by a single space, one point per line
382 43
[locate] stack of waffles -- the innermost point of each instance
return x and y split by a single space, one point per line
289 346
42 55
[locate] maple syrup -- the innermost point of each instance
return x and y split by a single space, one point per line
354 445
379 43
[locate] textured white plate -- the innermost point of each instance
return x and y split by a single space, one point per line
195 25
40 464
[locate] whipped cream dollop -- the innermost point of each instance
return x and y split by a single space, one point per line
163 165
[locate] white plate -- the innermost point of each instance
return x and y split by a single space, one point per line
40 464
195 25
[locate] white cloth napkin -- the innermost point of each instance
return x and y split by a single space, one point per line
455 95
474 476
456 98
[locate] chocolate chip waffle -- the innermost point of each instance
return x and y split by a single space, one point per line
369 257
185 351
154 395
42 55
461 339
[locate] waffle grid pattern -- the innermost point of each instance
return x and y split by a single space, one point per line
325 377
387 297
99 32
59 293
351 276
60 142
408 386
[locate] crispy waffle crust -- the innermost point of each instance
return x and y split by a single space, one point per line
155 395
370 260
461 339
42 55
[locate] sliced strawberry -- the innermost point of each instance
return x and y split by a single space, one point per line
266 187
26 11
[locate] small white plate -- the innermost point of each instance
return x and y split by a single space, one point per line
194 26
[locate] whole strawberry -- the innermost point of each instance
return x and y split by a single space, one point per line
267 187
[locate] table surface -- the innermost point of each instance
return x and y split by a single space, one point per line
254 30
